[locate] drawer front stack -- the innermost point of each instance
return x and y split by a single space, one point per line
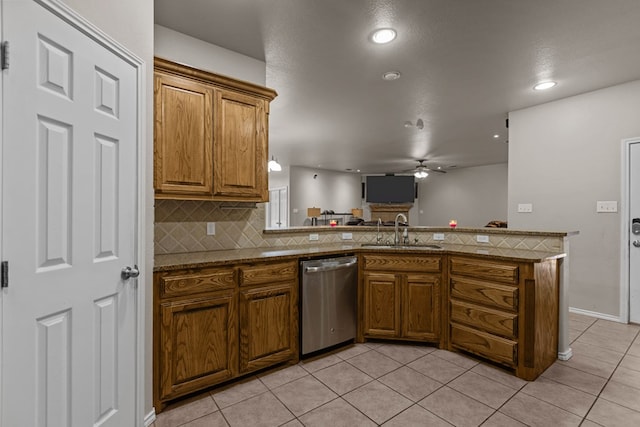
483 309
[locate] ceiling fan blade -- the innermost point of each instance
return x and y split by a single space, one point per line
437 170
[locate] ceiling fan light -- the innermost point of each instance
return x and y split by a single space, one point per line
421 174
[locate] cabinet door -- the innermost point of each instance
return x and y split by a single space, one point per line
421 307
183 147
268 325
381 305
240 141
198 344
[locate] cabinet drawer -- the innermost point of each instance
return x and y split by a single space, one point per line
491 294
483 344
268 273
494 321
507 273
402 263
194 283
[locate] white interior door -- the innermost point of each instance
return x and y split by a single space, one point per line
278 208
634 232
69 225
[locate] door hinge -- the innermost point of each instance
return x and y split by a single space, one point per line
4 55
4 274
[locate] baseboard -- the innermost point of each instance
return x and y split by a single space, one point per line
565 355
596 314
150 418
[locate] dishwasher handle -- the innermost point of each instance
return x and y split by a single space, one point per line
330 267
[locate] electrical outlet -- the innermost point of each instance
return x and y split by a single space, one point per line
211 229
525 207
313 237
607 207
482 239
347 236
438 236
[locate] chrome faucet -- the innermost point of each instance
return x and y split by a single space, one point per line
396 239
378 236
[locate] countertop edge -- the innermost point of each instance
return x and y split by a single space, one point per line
239 256
484 230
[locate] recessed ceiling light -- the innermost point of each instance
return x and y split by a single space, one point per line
544 85
383 35
496 136
391 75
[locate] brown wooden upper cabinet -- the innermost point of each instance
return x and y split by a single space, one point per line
210 135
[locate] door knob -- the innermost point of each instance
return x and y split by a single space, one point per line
636 243
128 272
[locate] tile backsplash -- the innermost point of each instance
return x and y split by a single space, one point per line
181 226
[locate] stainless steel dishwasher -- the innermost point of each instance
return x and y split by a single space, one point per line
328 302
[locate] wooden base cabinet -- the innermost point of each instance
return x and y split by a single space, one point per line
268 314
397 302
215 324
506 312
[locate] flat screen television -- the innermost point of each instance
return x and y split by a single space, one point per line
390 189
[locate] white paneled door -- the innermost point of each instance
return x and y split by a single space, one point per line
69 197
634 231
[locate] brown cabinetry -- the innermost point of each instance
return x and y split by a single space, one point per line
268 315
504 311
400 297
215 324
210 135
195 331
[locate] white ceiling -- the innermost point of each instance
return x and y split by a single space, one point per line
465 64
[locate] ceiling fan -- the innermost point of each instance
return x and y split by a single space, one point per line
422 171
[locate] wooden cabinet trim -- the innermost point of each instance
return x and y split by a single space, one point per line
216 79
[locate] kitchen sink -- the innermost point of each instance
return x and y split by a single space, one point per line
401 247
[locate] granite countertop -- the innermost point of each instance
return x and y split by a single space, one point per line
170 262
445 229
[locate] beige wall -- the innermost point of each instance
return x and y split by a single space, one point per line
472 196
337 191
130 22
187 50
563 157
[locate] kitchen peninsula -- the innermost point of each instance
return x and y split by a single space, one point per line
503 299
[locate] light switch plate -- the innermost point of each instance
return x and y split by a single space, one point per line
438 236
525 207
313 237
347 236
482 239
607 206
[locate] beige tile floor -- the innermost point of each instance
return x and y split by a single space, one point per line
408 385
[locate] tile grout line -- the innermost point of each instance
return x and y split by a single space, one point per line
610 376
